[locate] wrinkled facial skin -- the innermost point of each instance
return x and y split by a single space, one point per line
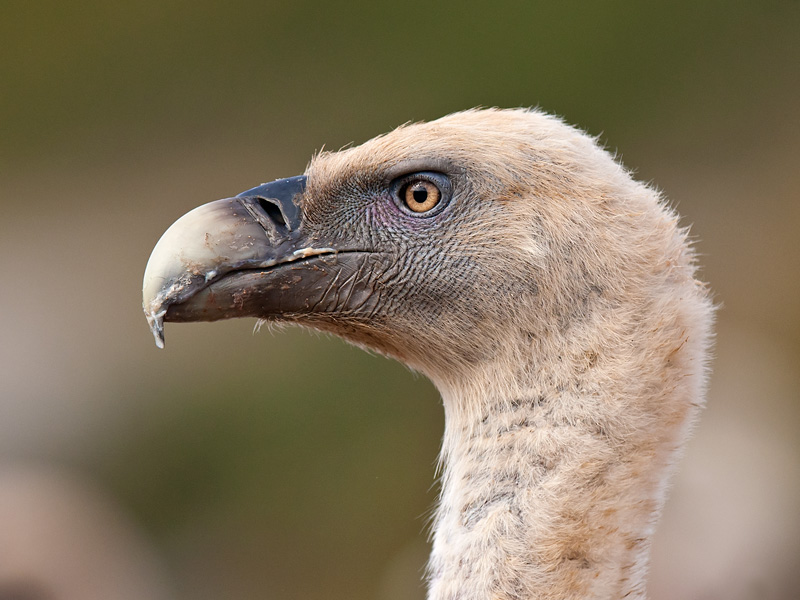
421 276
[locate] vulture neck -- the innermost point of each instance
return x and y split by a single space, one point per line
546 493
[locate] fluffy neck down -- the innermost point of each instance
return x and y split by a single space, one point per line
553 479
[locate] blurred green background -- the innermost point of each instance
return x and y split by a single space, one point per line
289 465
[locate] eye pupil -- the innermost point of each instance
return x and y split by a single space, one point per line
420 195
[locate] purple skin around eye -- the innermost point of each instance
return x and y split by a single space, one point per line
386 215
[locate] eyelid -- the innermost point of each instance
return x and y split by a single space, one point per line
441 166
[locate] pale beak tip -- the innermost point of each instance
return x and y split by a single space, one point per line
156 322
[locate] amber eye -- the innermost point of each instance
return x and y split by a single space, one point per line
420 195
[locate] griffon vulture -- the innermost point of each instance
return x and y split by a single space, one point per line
550 297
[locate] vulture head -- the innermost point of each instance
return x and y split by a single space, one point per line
550 297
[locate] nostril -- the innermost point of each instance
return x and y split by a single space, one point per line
273 212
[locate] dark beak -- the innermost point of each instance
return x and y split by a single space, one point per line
247 256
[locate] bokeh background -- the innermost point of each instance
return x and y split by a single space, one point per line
289 465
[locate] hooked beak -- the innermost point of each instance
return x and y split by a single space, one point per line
247 256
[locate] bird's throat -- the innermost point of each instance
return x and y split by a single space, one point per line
537 503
